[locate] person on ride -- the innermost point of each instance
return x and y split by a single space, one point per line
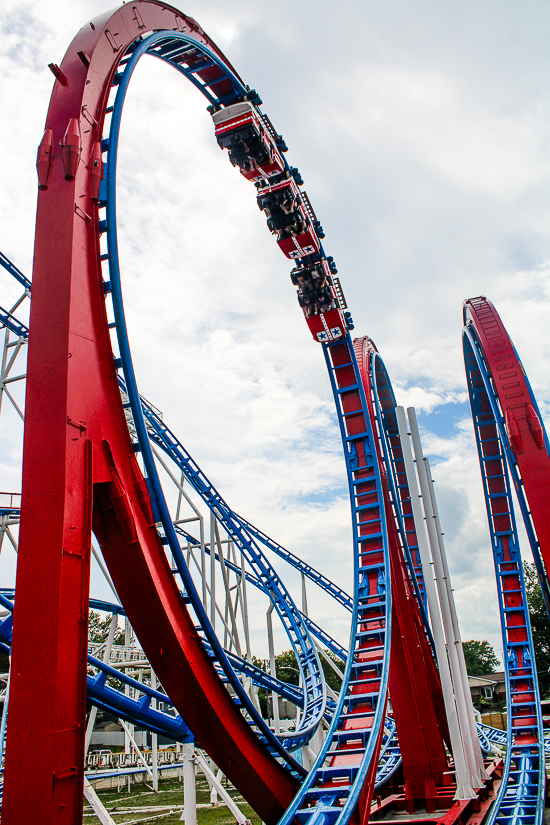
303 280
324 299
307 302
318 278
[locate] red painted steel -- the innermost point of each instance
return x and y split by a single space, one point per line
79 467
414 686
523 425
449 811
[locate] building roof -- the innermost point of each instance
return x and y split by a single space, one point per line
480 681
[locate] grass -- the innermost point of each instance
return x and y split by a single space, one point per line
170 794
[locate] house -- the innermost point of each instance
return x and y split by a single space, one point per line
489 688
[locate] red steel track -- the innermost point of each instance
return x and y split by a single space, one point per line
414 685
523 425
79 469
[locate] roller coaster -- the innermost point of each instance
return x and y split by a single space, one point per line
398 740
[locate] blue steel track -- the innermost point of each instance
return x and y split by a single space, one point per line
521 794
372 592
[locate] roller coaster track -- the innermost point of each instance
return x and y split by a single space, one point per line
15 272
521 795
134 711
344 772
523 433
350 779
390 759
100 454
415 689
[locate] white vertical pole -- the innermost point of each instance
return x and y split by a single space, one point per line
128 731
473 770
154 739
464 789
4 719
304 596
244 602
203 567
106 656
189 815
464 686
274 696
234 638
213 570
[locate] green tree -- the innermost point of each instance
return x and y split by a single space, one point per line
98 629
540 626
480 657
286 668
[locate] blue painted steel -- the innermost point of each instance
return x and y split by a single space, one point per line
12 269
313 628
390 757
330 793
312 676
499 737
326 584
108 607
484 739
10 321
106 696
160 434
134 710
372 594
520 491
521 795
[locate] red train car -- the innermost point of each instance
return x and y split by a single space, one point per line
239 128
288 217
322 300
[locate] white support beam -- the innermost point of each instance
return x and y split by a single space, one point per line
272 670
304 595
154 739
465 687
189 814
139 754
99 808
464 789
446 602
214 782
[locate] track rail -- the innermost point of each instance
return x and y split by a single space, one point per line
521 795
524 437
414 685
343 775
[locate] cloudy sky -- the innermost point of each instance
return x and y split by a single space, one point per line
421 130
